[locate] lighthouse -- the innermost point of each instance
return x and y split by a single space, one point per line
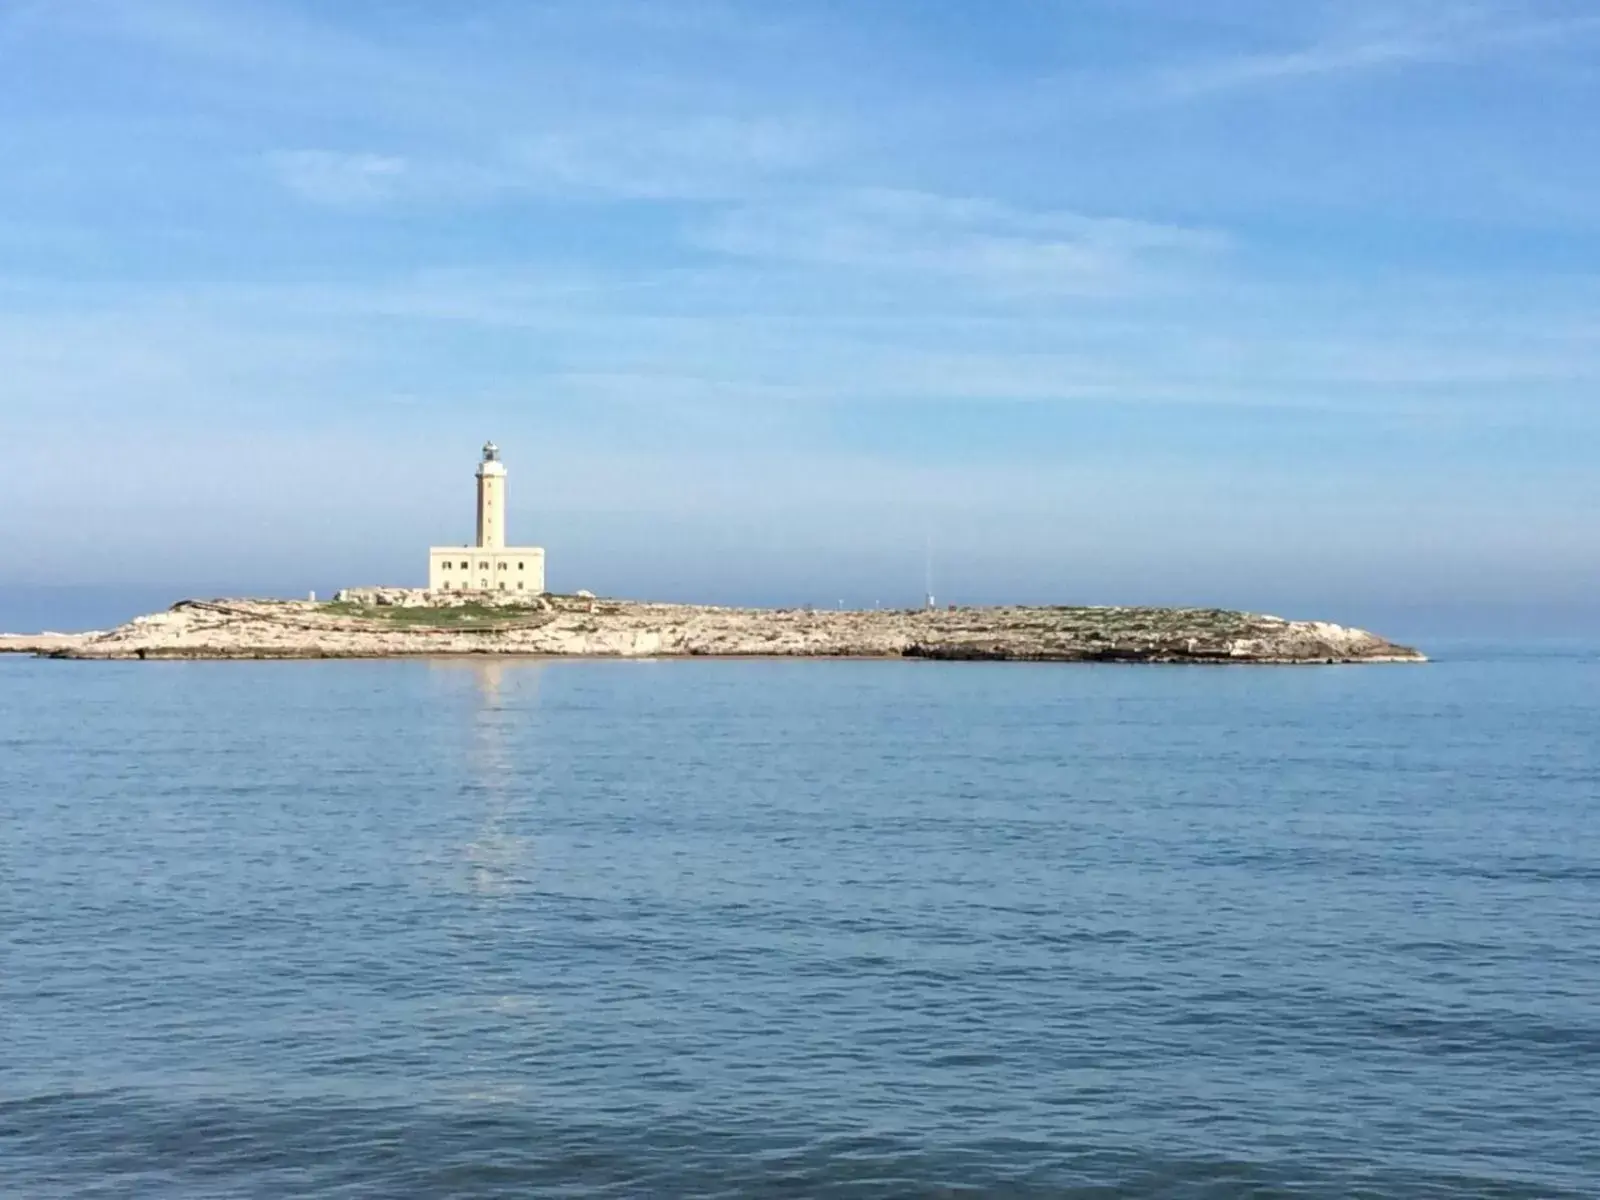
488 564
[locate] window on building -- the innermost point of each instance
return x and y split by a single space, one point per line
484 583
520 585
483 566
444 566
446 585
519 566
502 585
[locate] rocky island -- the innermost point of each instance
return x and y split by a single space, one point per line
387 623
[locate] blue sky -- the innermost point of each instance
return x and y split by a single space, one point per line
1279 305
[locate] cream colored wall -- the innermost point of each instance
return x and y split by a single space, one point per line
508 569
492 508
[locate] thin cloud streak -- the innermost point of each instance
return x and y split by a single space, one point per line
976 241
342 180
668 159
1366 47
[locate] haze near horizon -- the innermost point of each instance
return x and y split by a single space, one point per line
1288 307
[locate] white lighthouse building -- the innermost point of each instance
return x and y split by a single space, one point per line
489 565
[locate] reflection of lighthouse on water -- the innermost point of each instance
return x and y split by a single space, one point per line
498 858
492 1000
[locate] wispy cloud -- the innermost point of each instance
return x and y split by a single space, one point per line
704 156
340 179
961 239
667 158
242 38
1439 35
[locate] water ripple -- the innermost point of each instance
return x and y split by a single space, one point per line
768 929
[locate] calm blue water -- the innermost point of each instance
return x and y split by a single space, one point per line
800 929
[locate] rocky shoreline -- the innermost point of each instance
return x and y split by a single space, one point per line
401 624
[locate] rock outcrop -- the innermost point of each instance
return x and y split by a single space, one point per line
362 626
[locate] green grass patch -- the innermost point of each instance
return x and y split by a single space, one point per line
443 617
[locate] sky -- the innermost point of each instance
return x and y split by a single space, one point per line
1284 306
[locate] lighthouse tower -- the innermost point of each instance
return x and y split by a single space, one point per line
488 564
491 499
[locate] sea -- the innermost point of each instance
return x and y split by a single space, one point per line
462 928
